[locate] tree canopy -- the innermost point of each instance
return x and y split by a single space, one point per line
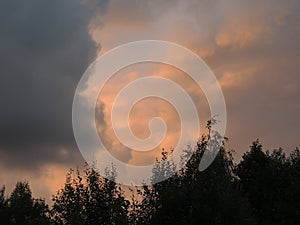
263 188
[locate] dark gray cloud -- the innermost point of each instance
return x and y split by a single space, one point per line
45 48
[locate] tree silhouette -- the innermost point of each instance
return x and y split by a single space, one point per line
194 197
21 209
263 188
271 183
3 207
94 200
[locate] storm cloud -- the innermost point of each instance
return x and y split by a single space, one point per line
252 47
45 48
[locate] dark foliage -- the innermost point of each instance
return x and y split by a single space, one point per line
263 188
271 183
21 208
194 197
90 201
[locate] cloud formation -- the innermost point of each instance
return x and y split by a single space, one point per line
253 48
45 47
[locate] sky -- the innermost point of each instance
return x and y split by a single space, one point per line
252 47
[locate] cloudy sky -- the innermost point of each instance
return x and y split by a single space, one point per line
252 47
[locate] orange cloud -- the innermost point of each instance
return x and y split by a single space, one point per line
145 110
242 41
